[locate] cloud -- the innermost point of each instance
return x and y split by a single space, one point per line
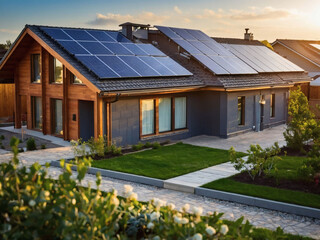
8 31
114 19
177 10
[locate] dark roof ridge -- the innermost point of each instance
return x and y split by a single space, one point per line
46 26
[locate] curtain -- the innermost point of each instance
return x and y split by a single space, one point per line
180 112
147 116
164 114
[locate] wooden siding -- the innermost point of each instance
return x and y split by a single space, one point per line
7 100
69 93
314 92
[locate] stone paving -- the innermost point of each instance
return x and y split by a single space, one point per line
241 143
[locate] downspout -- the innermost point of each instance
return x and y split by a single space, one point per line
109 118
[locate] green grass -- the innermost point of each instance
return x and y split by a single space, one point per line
166 162
287 169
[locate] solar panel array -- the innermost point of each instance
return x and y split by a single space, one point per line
207 51
262 59
109 54
315 45
228 58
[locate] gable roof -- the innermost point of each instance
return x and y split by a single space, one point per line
305 48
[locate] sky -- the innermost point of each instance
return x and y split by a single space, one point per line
267 20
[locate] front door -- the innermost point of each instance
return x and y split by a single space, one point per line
86 119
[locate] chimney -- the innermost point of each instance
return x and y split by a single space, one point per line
248 36
131 30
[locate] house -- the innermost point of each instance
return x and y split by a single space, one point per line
305 54
146 84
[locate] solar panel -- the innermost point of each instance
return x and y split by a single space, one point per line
167 31
188 47
135 49
118 37
139 66
218 48
100 69
156 65
117 48
56 33
117 65
174 66
203 48
77 34
199 35
95 48
151 50
183 33
73 47
101 36
210 64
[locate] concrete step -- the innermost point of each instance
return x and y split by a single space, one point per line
178 187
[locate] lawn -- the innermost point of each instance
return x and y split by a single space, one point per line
287 169
166 162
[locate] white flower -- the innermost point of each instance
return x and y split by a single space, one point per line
128 188
184 220
231 215
171 206
177 219
158 202
210 230
150 225
154 216
133 196
224 229
32 203
186 207
209 213
115 192
46 193
156 238
114 200
197 236
197 210
74 201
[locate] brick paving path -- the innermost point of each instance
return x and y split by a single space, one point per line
257 216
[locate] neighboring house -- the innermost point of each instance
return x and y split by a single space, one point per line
306 54
79 83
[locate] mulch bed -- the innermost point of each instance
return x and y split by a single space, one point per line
281 183
294 152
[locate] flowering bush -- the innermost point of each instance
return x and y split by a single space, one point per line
33 206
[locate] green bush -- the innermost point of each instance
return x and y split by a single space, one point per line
14 141
148 145
31 144
138 146
156 145
97 146
258 160
33 206
43 146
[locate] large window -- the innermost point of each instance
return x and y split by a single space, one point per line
56 67
35 68
57 117
163 115
36 109
241 110
272 105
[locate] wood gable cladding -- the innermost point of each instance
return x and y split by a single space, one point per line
69 93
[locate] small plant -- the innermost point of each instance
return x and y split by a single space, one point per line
2 137
148 145
13 141
138 146
116 151
97 146
156 145
43 146
79 148
258 160
31 144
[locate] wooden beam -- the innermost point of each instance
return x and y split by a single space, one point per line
17 101
43 77
98 117
65 115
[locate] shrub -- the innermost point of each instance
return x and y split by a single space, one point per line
14 141
35 206
97 146
148 145
31 144
43 146
302 123
258 160
79 148
116 151
156 145
138 147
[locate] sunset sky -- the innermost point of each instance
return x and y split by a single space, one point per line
269 19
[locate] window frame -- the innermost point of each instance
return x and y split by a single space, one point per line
242 121
272 105
33 120
32 73
156 116
72 77
53 119
52 71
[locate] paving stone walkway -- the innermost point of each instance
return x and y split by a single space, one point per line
257 216
241 143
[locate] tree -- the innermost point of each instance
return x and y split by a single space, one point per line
302 122
6 45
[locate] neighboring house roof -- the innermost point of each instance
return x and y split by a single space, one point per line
316 81
308 49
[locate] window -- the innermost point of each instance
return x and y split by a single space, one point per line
36 109
180 113
272 105
241 110
75 80
56 74
35 68
147 116
157 115
57 117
